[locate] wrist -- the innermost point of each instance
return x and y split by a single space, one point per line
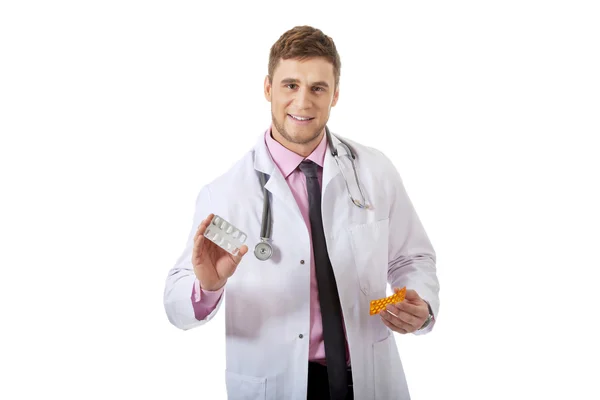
212 288
430 317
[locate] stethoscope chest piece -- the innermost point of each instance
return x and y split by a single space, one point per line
263 251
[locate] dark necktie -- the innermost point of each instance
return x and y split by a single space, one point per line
331 312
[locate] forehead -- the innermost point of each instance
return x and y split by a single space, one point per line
309 70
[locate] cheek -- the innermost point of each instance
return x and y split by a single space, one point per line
323 108
279 109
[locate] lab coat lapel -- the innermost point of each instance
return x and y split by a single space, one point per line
276 183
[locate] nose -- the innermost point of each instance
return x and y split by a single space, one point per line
302 99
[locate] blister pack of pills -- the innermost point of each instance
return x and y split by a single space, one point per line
225 235
376 306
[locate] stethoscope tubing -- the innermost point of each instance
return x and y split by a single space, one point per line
264 250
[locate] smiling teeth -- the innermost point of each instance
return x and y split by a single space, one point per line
299 118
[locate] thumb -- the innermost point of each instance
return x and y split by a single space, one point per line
238 258
412 295
227 269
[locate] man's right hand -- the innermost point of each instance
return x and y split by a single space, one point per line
213 265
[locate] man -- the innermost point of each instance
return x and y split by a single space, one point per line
298 324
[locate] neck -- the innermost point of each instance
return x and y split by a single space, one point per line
302 149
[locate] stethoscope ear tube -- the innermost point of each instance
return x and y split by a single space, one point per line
263 250
333 148
265 230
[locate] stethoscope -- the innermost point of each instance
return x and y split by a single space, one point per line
264 250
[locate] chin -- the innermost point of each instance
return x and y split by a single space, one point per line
302 136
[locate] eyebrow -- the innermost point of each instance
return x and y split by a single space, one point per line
287 81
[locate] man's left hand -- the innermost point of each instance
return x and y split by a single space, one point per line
407 316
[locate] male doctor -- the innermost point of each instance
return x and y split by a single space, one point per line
298 324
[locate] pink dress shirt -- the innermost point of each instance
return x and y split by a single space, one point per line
204 302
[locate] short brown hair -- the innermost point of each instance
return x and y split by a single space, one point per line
302 42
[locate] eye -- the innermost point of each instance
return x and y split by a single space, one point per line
291 84
319 89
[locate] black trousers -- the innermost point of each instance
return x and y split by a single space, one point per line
318 385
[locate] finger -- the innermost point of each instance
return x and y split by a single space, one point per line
199 239
200 229
392 326
200 233
413 309
204 224
238 258
405 317
197 248
395 321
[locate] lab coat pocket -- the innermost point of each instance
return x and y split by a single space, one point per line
243 387
370 252
390 382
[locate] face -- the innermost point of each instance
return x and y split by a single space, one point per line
301 96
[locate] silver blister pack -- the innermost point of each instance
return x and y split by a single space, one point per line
225 235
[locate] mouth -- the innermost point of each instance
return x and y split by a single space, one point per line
300 119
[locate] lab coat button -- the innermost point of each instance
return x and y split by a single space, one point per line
300 336
301 261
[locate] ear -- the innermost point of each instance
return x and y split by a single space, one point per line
335 96
268 88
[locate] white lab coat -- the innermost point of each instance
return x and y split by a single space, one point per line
267 304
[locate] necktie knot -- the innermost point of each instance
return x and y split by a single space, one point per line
309 168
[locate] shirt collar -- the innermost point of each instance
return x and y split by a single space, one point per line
286 160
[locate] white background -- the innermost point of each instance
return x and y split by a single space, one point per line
113 115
